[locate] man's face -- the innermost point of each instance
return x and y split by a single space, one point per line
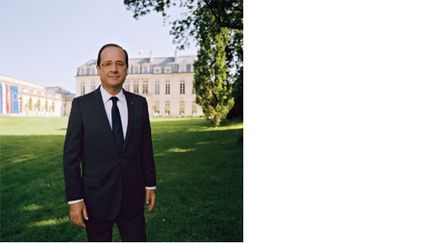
112 69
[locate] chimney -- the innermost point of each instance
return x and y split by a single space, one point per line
175 56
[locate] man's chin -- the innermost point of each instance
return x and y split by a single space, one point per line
115 85
115 82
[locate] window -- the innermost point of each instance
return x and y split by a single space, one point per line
135 87
144 69
38 105
82 88
157 87
135 69
182 108
30 104
182 68
188 68
20 104
126 85
167 70
194 108
46 106
182 87
145 87
167 87
193 87
92 70
167 107
156 108
156 70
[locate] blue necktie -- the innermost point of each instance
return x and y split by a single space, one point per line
116 123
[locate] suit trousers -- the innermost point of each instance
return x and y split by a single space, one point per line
131 228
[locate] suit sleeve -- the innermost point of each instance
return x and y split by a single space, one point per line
148 159
72 154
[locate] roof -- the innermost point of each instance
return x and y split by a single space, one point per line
12 80
162 61
59 90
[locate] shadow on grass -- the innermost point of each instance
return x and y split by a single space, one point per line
199 191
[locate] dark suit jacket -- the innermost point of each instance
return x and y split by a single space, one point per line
96 170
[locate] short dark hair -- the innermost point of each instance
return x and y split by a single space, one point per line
110 45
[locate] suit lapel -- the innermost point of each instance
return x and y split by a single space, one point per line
130 106
100 109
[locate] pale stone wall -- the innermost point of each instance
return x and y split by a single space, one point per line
35 100
87 80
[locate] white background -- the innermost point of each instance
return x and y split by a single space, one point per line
338 125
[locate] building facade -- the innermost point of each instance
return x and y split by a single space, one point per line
19 97
166 83
66 98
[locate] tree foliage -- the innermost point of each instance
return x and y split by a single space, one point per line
217 27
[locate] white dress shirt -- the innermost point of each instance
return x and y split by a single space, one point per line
122 106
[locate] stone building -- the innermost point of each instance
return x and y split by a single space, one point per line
66 97
166 83
19 97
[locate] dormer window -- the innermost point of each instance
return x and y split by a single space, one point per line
167 70
92 70
156 70
182 68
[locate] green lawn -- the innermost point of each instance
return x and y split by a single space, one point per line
199 191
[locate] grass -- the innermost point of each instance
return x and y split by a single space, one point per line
199 191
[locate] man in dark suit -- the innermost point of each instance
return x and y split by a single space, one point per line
108 156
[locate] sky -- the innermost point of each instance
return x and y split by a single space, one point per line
44 41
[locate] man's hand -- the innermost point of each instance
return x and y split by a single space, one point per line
76 211
150 199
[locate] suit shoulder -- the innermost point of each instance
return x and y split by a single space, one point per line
85 97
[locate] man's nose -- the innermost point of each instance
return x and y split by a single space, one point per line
114 68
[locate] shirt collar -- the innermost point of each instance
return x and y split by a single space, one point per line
107 96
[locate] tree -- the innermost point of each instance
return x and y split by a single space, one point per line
217 27
214 92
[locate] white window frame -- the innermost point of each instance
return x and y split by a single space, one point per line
157 69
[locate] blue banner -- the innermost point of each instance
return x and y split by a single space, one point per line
14 99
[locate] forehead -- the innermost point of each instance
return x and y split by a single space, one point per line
112 53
